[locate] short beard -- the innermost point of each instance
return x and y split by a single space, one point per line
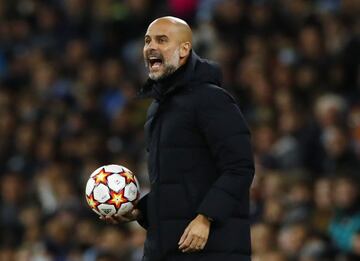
169 68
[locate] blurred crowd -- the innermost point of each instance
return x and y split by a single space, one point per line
69 74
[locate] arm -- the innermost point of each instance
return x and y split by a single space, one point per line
228 138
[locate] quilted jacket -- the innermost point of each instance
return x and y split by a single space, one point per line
200 161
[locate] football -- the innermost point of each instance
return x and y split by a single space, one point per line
112 189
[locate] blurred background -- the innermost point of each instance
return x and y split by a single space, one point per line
69 74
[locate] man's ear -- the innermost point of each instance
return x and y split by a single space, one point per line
185 49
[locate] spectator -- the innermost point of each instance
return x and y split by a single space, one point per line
292 239
346 201
262 239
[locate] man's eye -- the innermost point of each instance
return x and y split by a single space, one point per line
162 40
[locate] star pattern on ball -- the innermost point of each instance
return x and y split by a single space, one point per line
92 203
117 199
101 176
128 176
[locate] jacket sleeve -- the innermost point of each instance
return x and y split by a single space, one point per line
228 138
142 206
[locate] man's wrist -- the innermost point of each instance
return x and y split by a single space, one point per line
206 217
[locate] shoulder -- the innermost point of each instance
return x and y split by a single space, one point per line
210 94
214 106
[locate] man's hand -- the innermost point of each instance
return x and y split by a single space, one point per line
117 219
195 235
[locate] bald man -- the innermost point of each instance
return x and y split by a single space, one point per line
200 162
173 39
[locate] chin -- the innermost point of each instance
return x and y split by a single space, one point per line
155 76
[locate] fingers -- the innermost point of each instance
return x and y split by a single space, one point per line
194 238
197 243
193 245
184 235
117 219
122 218
187 242
109 220
191 242
202 244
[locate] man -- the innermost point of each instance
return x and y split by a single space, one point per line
200 160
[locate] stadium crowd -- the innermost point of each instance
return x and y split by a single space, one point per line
69 74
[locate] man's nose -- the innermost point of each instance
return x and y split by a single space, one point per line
152 46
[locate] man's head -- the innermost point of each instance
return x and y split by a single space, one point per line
167 45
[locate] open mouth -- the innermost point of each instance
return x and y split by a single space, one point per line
155 62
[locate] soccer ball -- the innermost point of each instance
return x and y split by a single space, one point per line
112 189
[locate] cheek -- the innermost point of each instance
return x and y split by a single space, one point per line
168 53
165 54
146 49
144 52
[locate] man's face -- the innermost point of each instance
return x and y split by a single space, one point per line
345 193
161 50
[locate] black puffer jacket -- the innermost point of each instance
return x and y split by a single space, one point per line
200 161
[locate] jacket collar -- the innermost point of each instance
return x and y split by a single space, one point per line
161 89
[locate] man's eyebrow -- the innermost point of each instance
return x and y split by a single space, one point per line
156 36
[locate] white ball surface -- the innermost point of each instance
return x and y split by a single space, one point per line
112 189
101 193
89 186
107 209
125 208
130 191
116 182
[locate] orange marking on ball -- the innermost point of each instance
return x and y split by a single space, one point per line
129 176
101 176
117 199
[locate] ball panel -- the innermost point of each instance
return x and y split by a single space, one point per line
106 209
96 172
96 211
125 208
113 168
128 176
116 182
130 191
137 184
126 169
90 186
101 193
91 202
